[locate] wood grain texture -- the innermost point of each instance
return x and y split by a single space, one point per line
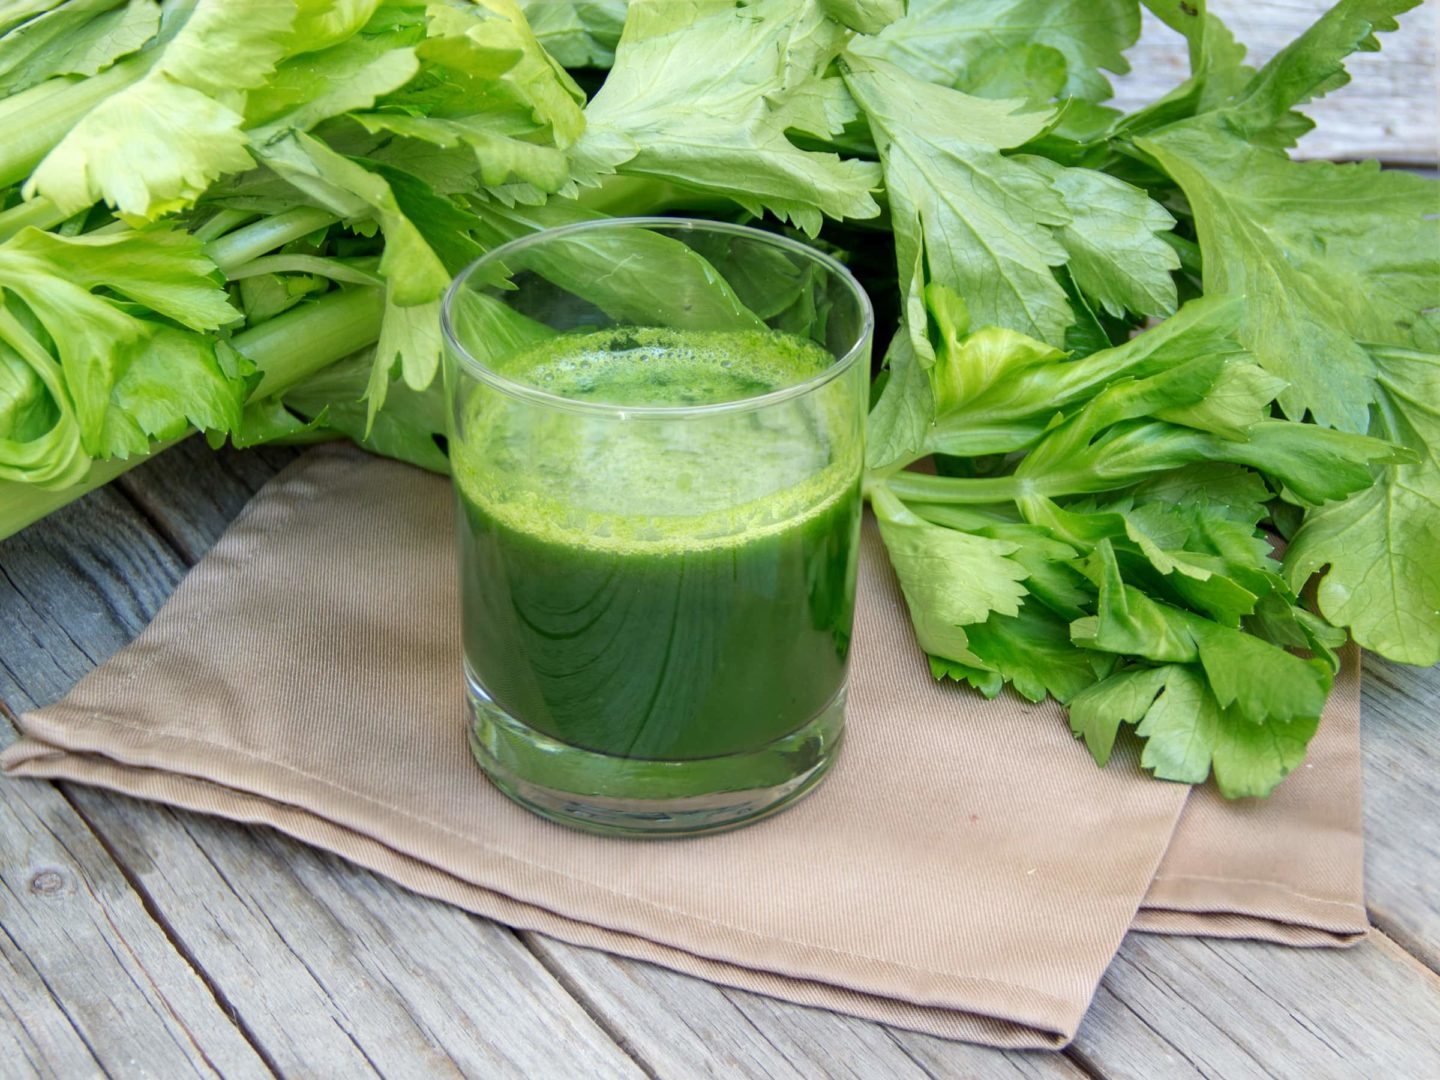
1401 740
112 562
1241 1009
190 493
89 984
340 972
1390 110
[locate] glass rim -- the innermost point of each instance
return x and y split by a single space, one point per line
515 388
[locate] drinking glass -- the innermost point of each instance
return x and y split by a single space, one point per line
657 440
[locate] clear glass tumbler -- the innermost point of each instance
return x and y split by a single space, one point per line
656 441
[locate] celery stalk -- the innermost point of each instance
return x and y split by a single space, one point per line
22 504
35 120
40 212
305 339
286 349
239 247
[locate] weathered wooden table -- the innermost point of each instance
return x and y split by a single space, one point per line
141 941
138 940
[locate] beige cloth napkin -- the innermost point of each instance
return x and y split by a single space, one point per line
965 870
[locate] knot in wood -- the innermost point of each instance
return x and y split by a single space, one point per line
47 882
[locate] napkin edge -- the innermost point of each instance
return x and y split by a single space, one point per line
29 757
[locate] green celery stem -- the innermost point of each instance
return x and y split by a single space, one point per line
305 339
35 120
954 490
222 223
23 504
265 235
40 212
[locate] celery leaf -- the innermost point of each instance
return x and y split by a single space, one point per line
1377 549
703 93
937 40
577 33
1327 256
74 39
982 220
1118 258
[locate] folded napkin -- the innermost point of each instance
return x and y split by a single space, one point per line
965 870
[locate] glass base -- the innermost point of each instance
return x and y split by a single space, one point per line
636 797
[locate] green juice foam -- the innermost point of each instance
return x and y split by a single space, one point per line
658 483
658 367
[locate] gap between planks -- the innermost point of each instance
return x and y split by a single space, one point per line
576 990
147 903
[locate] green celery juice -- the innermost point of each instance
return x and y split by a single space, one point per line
667 591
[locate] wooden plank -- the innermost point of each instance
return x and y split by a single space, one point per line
940 1058
1169 1008
112 561
339 972
1401 738
1389 111
89 982
332 969
683 1026
1240 1009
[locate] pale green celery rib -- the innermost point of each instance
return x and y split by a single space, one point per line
954 490
305 339
23 504
35 120
221 223
286 349
39 212
333 269
239 247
